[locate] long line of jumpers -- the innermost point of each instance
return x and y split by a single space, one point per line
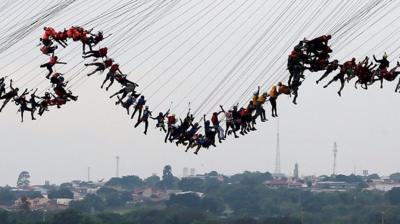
312 55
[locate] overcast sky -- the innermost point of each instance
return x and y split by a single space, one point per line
207 53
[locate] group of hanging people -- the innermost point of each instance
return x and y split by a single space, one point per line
312 55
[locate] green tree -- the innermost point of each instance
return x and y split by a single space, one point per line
90 203
6 196
394 196
68 216
126 182
168 177
23 179
61 193
153 181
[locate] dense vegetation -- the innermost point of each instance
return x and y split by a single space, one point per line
242 198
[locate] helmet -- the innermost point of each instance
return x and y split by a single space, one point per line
279 83
353 59
328 37
385 55
173 115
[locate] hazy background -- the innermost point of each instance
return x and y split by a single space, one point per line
176 58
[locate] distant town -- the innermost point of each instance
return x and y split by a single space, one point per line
135 191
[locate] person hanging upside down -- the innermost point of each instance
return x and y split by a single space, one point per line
49 65
346 69
101 53
114 70
145 119
332 66
9 95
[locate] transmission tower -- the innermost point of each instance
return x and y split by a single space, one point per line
335 151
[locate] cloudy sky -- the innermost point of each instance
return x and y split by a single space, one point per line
207 53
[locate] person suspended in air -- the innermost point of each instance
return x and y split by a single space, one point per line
208 131
63 95
48 50
332 66
390 75
113 71
139 107
45 103
32 101
318 44
365 73
346 69
57 79
161 120
171 126
144 118
125 91
260 111
382 68
124 81
95 39
100 66
250 109
130 101
61 38
2 86
229 122
217 127
273 96
295 66
49 65
188 138
8 96
101 53
23 103
258 101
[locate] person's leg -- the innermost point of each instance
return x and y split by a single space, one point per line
167 135
140 113
50 69
119 92
5 103
341 86
137 123
111 82
108 76
33 113
134 112
22 115
323 76
146 126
